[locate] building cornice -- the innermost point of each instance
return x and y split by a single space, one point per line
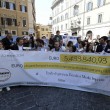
55 3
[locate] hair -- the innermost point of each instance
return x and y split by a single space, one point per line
86 40
78 38
18 39
57 31
82 43
42 42
87 48
105 38
69 43
73 49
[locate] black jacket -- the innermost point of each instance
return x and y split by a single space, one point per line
107 49
100 48
15 47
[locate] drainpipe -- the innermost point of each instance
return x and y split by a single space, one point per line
84 17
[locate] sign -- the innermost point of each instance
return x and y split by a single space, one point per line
31 31
79 71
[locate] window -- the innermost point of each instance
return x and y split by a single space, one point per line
55 21
6 31
46 29
62 8
58 20
2 21
76 10
9 21
42 29
24 33
88 20
66 26
61 27
24 22
5 21
7 5
14 22
100 3
62 18
23 8
100 18
67 4
13 32
12 6
57 10
57 27
66 16
89 6
3 4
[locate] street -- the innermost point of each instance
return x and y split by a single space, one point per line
48 98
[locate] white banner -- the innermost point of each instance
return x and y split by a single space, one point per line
79 71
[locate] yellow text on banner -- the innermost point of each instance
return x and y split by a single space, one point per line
86 59
75 67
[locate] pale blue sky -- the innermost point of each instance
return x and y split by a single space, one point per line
43 11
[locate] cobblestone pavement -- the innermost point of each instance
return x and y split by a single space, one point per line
47 98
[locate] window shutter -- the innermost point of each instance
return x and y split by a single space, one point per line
24 23
22 33
15 22
0 3
26 33
7 21
10 21
2 21
25 9
7 5
14 6
20 7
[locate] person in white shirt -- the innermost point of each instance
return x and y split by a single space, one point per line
18 45
81 47
57 47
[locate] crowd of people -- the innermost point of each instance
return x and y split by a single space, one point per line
55 43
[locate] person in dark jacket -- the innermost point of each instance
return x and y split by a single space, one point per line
58 38
31 40
103 44
8 41
107 48
51 42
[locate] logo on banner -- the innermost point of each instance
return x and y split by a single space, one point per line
5 74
